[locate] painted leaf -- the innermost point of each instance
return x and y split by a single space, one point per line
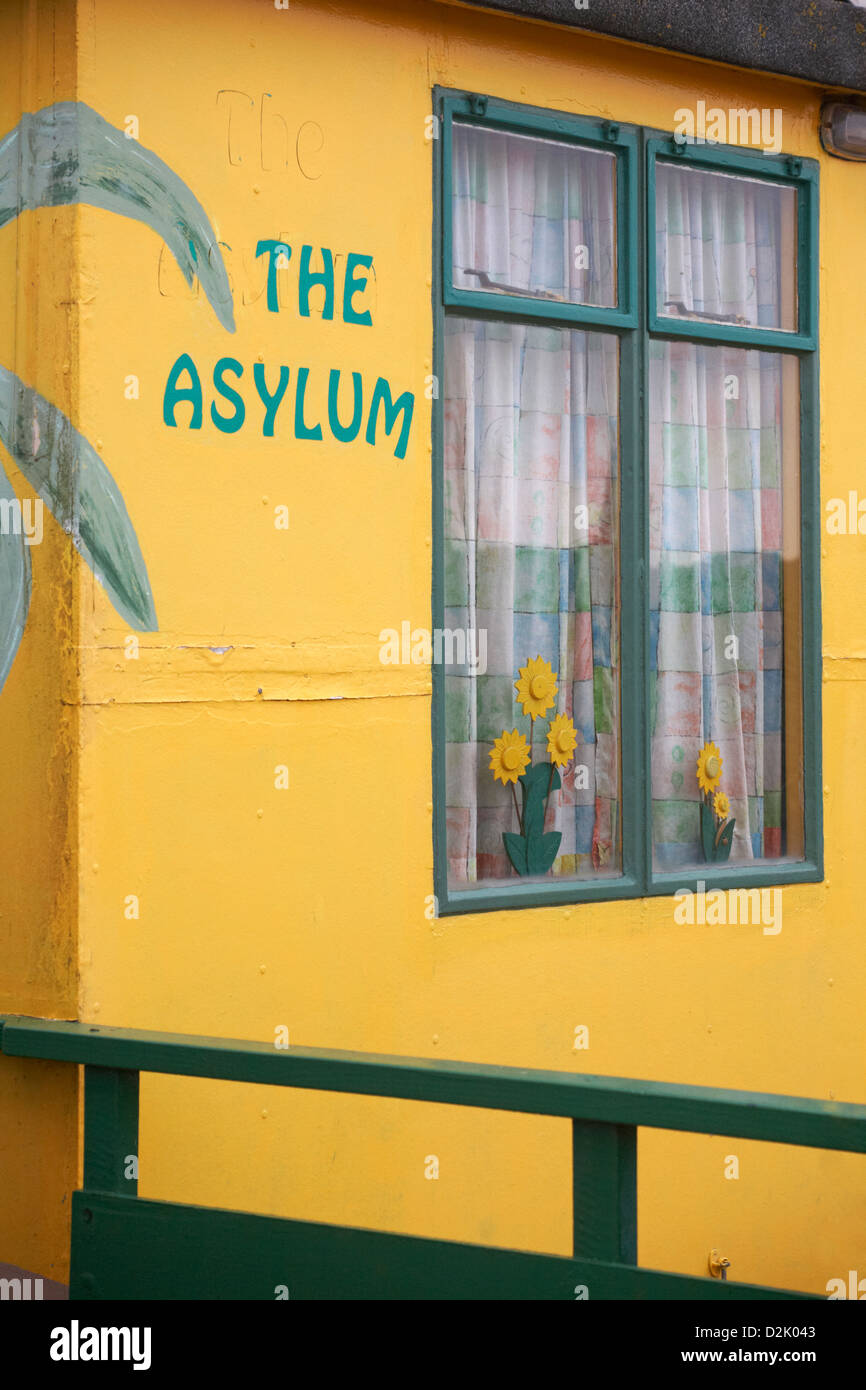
73 482
515 848
14 579
67 153
541 850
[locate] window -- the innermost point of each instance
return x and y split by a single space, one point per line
625 498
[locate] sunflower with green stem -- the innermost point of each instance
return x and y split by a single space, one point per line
533 850
717 830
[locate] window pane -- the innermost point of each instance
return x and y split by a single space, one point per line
725 248
725 602
533 217
531 505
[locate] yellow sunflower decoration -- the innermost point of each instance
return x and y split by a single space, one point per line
709 768
717 831
536 689
561 740
509 756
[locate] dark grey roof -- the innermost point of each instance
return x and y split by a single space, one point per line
820 41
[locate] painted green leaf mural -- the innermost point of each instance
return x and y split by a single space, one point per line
14 582
77 488
67 153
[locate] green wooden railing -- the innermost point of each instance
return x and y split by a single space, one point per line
126 1247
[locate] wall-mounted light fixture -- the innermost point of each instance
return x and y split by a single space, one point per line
843 130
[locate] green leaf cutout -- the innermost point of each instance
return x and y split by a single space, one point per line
541 850
534 785
515 848
533 810
724 842
538 776
716 843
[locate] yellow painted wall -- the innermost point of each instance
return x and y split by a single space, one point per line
39 713
306 907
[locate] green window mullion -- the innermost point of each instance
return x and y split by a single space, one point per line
641 540
634 615
441 247
811 519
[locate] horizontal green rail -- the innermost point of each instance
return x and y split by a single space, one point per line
123 1247
821 1124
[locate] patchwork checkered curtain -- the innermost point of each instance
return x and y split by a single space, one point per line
724 247
530 440
716 470
533 215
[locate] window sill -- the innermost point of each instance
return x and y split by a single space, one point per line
780 874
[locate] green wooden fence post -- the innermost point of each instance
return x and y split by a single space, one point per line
604 1180
111 1130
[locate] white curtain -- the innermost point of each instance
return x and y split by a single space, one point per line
533 215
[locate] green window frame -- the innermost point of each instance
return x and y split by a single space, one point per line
636 322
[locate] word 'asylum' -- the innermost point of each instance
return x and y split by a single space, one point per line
184 382
271 399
